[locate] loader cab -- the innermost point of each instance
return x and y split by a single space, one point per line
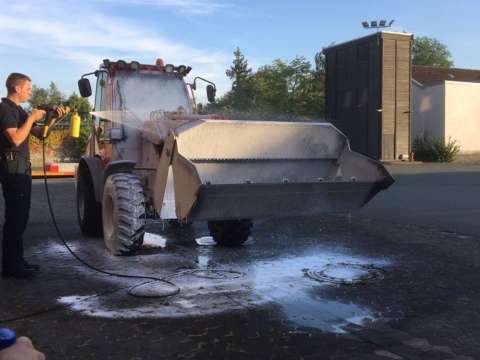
100 105
127 95
143 87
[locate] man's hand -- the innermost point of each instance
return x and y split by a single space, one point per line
60 112
22 350
37 115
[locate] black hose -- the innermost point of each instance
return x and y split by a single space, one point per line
92 267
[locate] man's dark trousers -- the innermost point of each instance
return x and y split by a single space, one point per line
17 189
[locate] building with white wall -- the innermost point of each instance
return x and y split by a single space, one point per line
446 104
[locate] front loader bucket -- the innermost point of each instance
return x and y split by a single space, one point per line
256 169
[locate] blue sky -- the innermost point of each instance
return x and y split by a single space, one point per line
60 40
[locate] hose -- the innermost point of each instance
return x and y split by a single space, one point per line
131 292
85 263
143 277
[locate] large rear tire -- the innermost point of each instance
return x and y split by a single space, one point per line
89 211
123 213
230 232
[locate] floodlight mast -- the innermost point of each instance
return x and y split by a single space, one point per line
374 24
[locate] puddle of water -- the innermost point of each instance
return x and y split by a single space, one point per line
153 289
205 241
199 297
203 261
217 274
457 235
346 274
464 237
151 240
282 282
279 281
55 248
330 316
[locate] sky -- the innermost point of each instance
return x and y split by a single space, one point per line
59 41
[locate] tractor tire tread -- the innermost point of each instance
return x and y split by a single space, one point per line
130 209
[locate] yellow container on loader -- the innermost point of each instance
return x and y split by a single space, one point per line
75 125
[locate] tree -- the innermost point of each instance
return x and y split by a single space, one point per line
271 88
79 104
431 52
320 63
240 74
279 91
289 90
47 97
239 71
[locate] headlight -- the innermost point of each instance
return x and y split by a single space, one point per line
181 69
121 64
134 65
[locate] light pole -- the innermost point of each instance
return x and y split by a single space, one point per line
374 24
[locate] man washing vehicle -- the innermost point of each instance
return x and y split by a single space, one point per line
16 125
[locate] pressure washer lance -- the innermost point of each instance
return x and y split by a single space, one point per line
7 338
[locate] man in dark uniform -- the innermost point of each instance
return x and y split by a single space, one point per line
15 172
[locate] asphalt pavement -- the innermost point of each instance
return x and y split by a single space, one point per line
396 280
441 196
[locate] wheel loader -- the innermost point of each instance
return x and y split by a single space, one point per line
150 156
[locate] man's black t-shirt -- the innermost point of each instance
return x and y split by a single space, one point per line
12 116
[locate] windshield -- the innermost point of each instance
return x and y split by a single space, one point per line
143 93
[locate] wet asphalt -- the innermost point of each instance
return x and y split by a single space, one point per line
397 280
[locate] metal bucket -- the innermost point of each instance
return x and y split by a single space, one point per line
256 169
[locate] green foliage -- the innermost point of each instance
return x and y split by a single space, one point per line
436 150
288 89
431 52
74 148
54 140
280 91
79 104
240 74
320 64
49 97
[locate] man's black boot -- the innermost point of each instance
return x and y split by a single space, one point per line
19 271
34 267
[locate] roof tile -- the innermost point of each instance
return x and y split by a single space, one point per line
431 75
